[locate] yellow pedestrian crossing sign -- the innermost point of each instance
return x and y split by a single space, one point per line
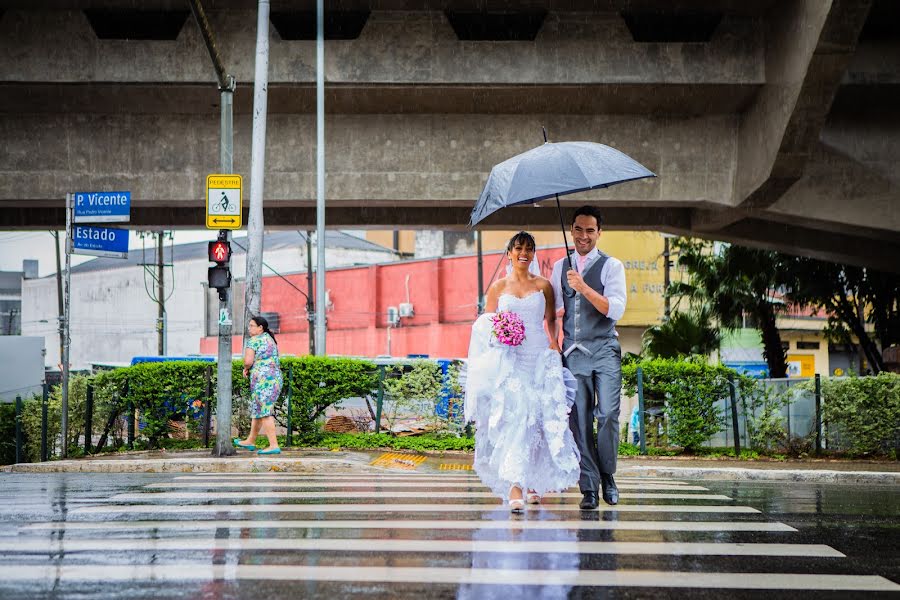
224 199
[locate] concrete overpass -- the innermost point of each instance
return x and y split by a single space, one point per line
770 123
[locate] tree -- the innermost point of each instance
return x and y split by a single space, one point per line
851 296
685 334
730 283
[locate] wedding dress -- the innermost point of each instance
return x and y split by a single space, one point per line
520 398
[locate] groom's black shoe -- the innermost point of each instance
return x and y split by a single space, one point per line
610 491
590 501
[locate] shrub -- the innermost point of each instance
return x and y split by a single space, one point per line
319 382
689 390
766 426
866 410
7 433
408 387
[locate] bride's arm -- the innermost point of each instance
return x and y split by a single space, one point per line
550 313
493 296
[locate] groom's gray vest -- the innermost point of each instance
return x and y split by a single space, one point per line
585 329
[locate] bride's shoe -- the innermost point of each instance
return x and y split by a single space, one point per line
516 505
533 497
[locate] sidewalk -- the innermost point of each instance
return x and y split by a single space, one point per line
325 462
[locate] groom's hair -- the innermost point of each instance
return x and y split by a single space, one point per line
589 211
524 238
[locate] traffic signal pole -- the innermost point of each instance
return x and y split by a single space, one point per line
223 446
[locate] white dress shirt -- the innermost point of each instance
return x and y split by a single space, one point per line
612 277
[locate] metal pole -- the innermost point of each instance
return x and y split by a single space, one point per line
59 294
666 278
46 390
310 306
480 272
380 399
207 407
223 445
160 295
19 445
640 391
734 417
253 278
818 414
88 418
290 413
67 310
129 414
320 178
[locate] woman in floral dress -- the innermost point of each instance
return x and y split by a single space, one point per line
261 362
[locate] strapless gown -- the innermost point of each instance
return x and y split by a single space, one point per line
520 398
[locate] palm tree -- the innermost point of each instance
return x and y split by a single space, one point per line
685 334
732 283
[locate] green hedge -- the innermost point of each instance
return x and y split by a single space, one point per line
866 412
687 390
166 391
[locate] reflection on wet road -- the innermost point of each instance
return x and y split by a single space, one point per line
437 535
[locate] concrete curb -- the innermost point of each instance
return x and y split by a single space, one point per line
738 474
197 465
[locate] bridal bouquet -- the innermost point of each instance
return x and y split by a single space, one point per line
508 328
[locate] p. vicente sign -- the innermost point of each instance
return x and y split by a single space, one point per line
102 207
108 242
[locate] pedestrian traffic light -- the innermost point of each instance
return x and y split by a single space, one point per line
219 252
219 276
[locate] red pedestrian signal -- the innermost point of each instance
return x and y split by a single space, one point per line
219 252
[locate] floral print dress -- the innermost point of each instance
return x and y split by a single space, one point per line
265 376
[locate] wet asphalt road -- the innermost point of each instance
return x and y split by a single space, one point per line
438 534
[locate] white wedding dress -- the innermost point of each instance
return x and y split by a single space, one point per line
520 398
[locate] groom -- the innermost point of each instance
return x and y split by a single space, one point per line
593 297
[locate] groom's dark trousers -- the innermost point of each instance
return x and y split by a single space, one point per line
598 397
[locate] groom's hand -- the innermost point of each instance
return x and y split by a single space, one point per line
576 282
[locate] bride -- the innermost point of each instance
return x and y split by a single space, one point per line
520 396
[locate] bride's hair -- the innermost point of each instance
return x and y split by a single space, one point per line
524 238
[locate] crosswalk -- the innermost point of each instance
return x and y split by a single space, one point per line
411 533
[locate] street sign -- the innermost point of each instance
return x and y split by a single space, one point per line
100 241
102 207
223 201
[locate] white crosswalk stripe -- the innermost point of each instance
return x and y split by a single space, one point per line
151 496
383 520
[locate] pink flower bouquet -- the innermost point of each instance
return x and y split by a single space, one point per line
508 328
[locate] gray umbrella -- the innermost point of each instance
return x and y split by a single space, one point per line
554 169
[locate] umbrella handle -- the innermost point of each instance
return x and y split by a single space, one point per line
565 239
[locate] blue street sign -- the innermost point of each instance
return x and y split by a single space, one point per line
102 207
100 241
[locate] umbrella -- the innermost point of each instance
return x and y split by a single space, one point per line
552 170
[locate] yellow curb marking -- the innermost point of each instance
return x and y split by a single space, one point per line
451 467
397 460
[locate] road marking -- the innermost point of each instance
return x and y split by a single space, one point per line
378 508
255 495
399 460
56 546
454 467
56 575
414 524
392 484
378 477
